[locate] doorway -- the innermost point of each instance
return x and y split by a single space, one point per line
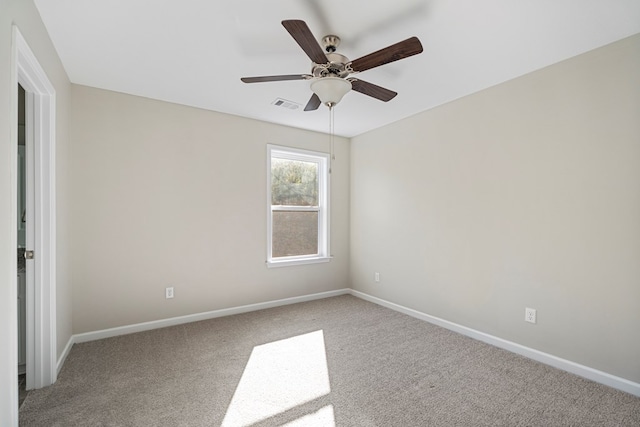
21 226
39 208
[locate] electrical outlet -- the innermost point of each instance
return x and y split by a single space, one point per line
530 315
377 277
168 293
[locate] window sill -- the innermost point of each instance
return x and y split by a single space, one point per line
297 261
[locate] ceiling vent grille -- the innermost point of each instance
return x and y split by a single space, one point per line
290 105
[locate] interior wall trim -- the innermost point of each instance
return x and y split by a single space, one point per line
530 353
41 135
163 323
546 358
65 353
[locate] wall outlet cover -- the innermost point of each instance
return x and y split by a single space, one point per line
530 315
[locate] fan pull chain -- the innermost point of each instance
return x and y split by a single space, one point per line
332 156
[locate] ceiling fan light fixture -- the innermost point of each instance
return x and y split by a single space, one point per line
330 90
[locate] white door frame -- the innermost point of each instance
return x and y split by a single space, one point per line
41 298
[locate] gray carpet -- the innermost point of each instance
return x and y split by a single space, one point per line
339 361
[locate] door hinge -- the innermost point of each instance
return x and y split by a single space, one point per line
28 254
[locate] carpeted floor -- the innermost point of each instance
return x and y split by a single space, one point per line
335 362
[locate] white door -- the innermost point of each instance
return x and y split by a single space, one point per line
30 238
40 216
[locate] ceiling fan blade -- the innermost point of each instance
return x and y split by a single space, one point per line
303 35
395 52
261 79
313 103
372 90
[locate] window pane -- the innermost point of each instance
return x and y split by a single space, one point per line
294 183
294 233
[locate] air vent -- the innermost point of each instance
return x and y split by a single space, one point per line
290 105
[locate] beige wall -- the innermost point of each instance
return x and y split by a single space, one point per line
25 16
524 195
168 195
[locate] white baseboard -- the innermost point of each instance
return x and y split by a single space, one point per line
548 359
65 353
156 324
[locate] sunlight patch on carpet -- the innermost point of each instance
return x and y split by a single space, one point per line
280 376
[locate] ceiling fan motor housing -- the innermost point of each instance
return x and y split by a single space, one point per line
335 66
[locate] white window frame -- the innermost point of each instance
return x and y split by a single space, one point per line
322 159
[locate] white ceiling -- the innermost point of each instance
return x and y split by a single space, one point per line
193 52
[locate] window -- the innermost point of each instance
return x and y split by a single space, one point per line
298 200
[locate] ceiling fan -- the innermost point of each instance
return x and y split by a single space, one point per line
330 70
